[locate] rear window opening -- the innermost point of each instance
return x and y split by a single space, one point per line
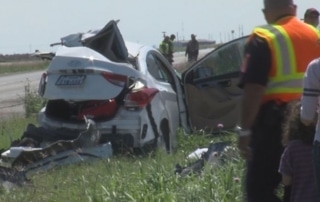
96 110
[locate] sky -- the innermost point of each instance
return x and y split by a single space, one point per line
27 25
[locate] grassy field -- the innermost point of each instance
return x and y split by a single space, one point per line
14 67
128 177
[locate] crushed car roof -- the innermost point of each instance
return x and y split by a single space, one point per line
108 41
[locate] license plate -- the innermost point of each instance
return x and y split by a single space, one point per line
70 80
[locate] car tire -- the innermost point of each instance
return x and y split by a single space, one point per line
165 136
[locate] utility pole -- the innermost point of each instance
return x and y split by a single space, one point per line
182 29
164 34
241 30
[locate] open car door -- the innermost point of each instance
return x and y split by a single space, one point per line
211 87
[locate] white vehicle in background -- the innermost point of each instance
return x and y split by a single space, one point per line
133 94
43 55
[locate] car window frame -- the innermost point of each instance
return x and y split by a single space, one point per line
194 71
164 75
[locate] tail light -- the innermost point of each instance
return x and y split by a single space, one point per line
140 98
42 84
116 79
98 109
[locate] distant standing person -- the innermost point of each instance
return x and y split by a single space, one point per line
192 49
311 17
171 48
296 164
164 47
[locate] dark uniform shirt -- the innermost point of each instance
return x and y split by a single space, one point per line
257 62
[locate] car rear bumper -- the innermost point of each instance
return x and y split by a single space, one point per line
117 129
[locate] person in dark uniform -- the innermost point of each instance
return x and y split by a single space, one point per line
192 49
171 47
276 56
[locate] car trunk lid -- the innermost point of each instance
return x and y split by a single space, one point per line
90 66
79 73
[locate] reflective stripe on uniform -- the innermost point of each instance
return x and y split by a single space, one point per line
286 79
285 57
289 85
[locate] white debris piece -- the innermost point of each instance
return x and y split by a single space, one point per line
197 153
103 151
14 152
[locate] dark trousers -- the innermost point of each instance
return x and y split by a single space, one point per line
262 177
316 158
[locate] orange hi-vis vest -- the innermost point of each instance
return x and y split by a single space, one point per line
293 45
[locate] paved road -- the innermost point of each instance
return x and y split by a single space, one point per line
12 90
12 87
181 61
179 57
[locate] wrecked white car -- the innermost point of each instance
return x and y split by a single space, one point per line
129 90
133 93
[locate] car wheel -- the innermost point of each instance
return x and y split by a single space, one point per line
165 135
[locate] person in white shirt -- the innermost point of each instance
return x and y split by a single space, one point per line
309 109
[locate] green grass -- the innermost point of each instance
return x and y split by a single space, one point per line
12 128
130 177
27 66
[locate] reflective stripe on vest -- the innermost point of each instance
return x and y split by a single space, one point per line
286 79
163 48
315 30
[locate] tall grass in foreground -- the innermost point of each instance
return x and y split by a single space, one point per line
131 178
32 101
12 129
